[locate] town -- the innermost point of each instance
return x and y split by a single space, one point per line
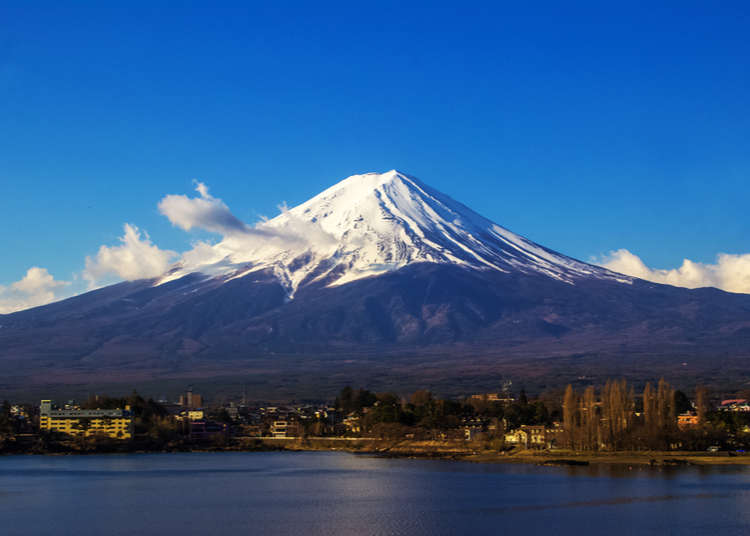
610 419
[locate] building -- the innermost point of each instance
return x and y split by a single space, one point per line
284 428
114 423
191 415
203 430
534 436
687 420
279 429
352 424
191 400
493 397
18 411
473 432
735 404
527 436
233 411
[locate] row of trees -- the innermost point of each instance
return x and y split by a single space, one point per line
618 420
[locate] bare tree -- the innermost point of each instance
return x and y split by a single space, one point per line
590 419
701 402
570 411
617 412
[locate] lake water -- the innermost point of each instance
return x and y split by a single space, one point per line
339 493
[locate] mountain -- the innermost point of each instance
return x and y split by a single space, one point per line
381 278
372 224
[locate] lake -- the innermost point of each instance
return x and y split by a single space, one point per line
340 493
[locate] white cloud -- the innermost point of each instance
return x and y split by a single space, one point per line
135 258
729 272
37 287
204 212
202 253
240 242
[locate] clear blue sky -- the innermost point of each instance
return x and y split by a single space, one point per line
584 126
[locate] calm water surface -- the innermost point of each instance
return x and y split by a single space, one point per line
338 493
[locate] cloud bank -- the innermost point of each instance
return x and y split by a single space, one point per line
240 242
729 272
37 287
135 258
204 212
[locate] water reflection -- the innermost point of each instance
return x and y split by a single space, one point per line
339 493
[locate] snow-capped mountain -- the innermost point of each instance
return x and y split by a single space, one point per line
379 276
371 224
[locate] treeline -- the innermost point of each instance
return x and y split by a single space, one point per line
613 418
381 413
616 419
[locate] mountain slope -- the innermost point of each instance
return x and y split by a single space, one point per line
374 273
371 224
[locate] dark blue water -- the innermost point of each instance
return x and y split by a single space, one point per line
339 493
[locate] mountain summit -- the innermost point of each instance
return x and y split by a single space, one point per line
370 224
378 278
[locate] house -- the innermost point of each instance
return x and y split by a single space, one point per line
533 436
518 437
353 424
281 429
687 420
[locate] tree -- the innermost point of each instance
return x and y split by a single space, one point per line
701 402
649 408
570 413
82 426
350 401
682 403
590 419
665 405
421 398
659 414
617 412
6 422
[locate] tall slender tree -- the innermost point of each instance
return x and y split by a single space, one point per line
649 407
590 419
570 411
701 402
617 411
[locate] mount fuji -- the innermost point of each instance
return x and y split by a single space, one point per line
372 224
379 276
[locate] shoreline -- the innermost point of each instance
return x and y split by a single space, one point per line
455 450
549 458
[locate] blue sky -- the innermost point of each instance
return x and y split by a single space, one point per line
587 127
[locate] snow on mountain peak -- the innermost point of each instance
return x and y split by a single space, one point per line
373 223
